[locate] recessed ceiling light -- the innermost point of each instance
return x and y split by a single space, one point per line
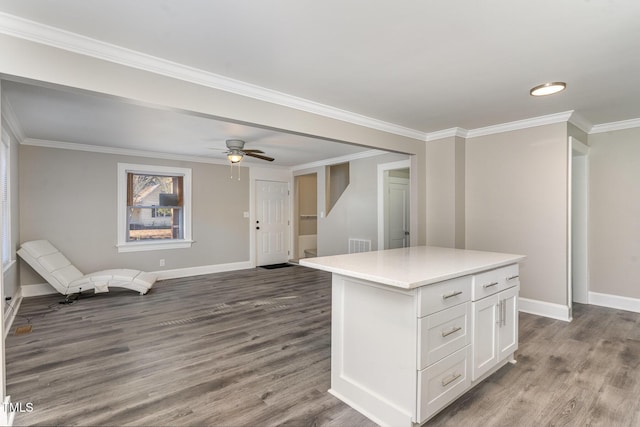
548 89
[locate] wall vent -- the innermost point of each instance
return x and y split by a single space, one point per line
359 245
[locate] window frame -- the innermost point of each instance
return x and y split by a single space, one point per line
136 246
5 205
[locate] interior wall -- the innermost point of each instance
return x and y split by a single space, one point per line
446 192
69 198
355 213
516 202
614 213
337 177
577 133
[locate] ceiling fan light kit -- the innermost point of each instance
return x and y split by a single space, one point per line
237 151
235 156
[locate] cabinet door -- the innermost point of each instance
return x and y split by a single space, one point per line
508 327
485 345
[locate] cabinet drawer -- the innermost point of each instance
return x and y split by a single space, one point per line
441 295
442 382
493 281
443 333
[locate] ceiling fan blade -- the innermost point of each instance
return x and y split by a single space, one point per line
258 156
253 151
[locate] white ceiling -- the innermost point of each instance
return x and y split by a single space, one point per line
48 115
426 65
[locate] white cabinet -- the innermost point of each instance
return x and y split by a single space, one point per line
442 382
442 333
485 337
400 356
494 319
508 331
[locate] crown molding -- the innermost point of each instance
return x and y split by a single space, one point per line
340 159
11 119
51 36
621 125
565 116
185 158
62 39
118 151
521 124
447 133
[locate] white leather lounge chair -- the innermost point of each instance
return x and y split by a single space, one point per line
56 269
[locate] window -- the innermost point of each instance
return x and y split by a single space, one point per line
5 226
154 204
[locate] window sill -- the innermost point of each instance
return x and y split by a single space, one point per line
153 246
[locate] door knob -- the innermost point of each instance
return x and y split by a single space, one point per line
257 228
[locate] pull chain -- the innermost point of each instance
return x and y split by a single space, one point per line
238 168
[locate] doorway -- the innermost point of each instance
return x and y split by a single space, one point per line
305 216
394 205
272 222
578 283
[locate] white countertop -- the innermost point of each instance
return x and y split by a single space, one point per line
409 268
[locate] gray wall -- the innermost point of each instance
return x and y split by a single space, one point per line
614 213
355 214
446 192
516 202
69 198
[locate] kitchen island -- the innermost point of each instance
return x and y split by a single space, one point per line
414 328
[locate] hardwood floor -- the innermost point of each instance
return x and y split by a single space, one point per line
252 348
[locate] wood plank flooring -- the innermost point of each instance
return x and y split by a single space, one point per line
252 348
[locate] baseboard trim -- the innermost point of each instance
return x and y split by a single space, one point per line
39 289
36 290
10 315
546 309
615 301
204 269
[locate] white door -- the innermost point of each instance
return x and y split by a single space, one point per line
397 218
272 222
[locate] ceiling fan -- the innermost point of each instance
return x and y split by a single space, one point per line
237 152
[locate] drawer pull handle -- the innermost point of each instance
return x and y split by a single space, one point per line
452 331
451 295
488 285
450 380
513 277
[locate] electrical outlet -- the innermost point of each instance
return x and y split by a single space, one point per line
162 262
